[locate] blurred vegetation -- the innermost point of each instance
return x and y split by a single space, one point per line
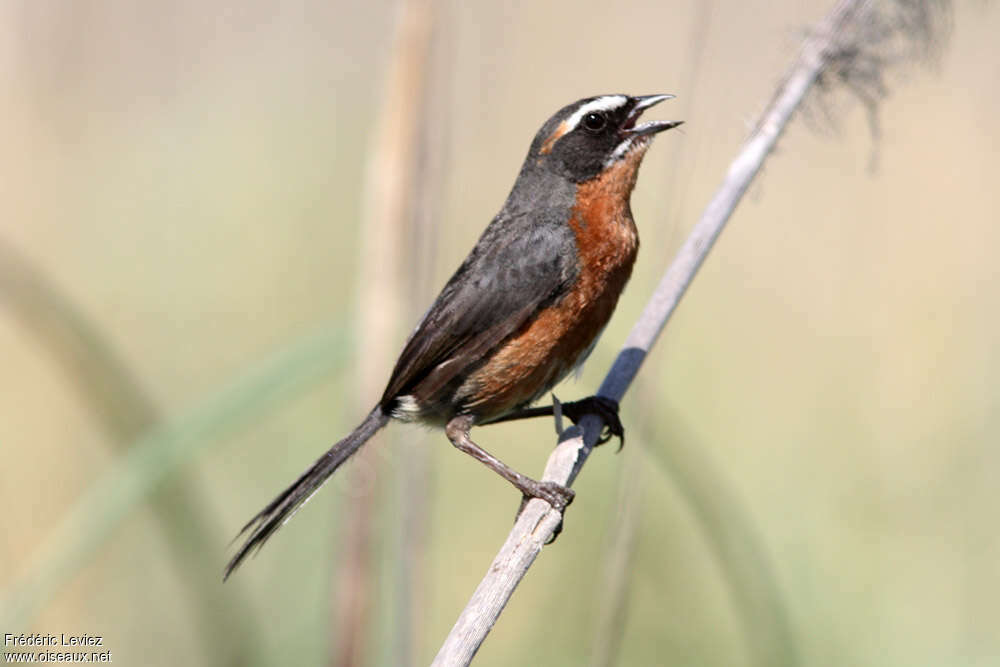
182 195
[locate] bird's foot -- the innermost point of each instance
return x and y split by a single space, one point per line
606 408
556 495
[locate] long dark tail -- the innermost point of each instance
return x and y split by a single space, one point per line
281 509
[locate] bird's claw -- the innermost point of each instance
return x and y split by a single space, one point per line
604 407
556 495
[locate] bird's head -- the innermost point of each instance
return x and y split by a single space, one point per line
586 138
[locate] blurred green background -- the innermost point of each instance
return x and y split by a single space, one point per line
812 474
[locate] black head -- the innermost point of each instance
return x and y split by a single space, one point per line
590 135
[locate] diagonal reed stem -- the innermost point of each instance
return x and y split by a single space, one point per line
538 522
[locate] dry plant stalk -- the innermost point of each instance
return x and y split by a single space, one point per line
388 181
852 46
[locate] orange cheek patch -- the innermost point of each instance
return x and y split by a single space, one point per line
553 138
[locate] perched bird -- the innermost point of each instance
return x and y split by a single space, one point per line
526 305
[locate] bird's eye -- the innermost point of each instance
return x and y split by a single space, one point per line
594 122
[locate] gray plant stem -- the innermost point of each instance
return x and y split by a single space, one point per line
538 521
389 184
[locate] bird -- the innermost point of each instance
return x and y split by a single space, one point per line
523 310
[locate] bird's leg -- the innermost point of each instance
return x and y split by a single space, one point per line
606 408
556 495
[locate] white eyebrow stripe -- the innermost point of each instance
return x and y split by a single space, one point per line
605 103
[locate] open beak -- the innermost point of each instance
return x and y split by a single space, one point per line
640 104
